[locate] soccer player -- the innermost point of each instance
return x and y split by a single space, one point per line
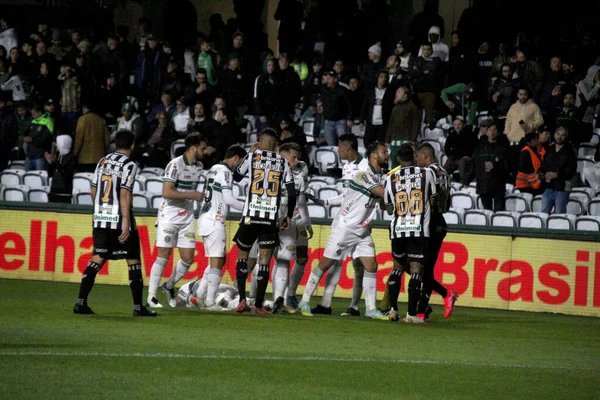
213 216
348 151
176 217
426 159
409 195
351 232
114 230
268 172
191 295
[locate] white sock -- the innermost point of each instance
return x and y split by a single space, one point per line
370 288
203 285
331 281
253 284
311 285
357 285
296 277
180 270
156 275
213 279
280 278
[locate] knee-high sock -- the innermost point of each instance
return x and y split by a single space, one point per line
203 284
311 285
296 277
180 270
241 276
357 285
393 289
87 282
370 288
213 279
136 283
331 281
439 288
426 291
280 278
384 304
253 286
414 293
156 275
262 281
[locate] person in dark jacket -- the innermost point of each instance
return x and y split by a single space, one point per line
559 168
62 169
336 108
235 86
291 86
110 99
459 148
268 95
150 68
39 141
203 123
8 131
426 73
376 110
503 93
489 159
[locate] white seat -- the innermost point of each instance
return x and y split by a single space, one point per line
583 163
156 200
577 205
509 188
453 217
326 158
176 145
154 185
333 211
533 220
88 175
470 190
2 187
590 192
16 164
594 207
38 196
141 200
16 193
478 217
561 221
317 184
588 223
82 184
140 184
308 126
35 179
536 204
462 200
327 193
153 170
434 133
238 190
329 179
12 177
251 124
505 219
83 198
457 186
518 202
437 145
586 150
317 211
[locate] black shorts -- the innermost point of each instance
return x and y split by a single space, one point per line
267 236
410 249
107 245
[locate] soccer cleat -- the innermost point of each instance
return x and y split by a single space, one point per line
305 309
153 303
292 302
260 311
242 306
449 303
422 316
278 305
170 295
428 312
413 319
351 312
319 309
393 315
215 308
144 312
376 314
290 310
82 309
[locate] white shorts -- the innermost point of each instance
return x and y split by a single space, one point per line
215 243
182 236
289 241
343 242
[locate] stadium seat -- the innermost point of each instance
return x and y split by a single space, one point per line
437 145
478 217
38 196
2 187
536 204
308 126
83 198
504 219
16 164
462 200
140 184
590 192
578 203
586 150
88 175
533 220
82 184
453 217
327 193
156 200
12 177
317 184
154 185
594 207
317 211
510 188
333 211
141 200
470 190
443 160
457 186
434 133
561 221
154 170
35 179
238 190
588 223
518 202
583 163
176 147
326 158
16 193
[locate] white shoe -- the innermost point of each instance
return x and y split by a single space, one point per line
215 308
153 303
410 319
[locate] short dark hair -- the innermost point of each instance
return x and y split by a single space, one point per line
427 148
529 136
350 138
525 88
235 150
406 90
37 108
194 139
427 44
373 147
406 153
290 146
124 139
269 132
201 71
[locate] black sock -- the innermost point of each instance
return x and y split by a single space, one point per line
241 276
87 282
136 283
393 286
414 293
261 285
439 288
426 292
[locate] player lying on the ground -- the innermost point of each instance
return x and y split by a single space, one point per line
193 294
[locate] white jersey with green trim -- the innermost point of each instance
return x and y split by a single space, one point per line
185 177
348 171
358 205
214 209
300 175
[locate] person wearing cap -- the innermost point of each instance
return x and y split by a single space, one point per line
336 109
85 76
372 68
459 147
92 139
110 59
110 99
71 97
58 50
462 99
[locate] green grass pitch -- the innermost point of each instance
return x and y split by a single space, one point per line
47 352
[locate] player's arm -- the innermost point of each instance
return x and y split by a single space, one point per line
291 190
388 198
230 199
334 201
169 192
242 170
125 204
433 193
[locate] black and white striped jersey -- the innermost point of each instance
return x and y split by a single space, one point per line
113 173
442 184
409 190
268 173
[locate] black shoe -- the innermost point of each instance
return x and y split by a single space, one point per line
81 309
143 312
319 309
278 305
428 311
351 312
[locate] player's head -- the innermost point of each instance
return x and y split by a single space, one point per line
347 146
268 139
291 152
196 144
377 154
425 155
124 140
406 154
235 155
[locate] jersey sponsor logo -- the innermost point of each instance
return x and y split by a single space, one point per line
182 213
262 207
119 252
106 208
100 250
106 218
408 228
170 231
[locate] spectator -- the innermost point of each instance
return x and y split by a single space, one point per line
207 60
459 62
62 168
553 87
291 86
300 66
229 132
200 90
158 145
528 176
268 95
524 116
589 97
528 71
91 140
173 80
336 108
181 118
166 105
459 148
543 145
375 111
111 98
490 169
426 74
405 121
312 92
503 92
404 57
20 86
111 60
58 50
28 62
356 96
343 76
150 68
440 49
39 140
462 100
131 121
9 133
42 56
559 168
569 116
372 68
219 108
46 86
484 66
234 86
71 97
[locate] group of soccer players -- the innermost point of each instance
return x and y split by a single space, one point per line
275 223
